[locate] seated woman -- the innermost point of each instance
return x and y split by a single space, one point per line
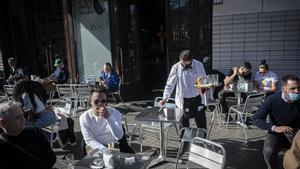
33 97
265 80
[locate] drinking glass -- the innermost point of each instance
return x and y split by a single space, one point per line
110 142
70 161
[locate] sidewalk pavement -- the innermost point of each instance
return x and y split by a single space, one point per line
240 154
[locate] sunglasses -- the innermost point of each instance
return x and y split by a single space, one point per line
262 73
100 101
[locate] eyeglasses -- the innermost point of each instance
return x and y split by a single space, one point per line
100 101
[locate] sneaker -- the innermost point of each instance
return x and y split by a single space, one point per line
73 143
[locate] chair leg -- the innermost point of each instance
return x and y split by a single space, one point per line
112 95
228 115
243 125
51 137
141 139
178 153
121 99
176 129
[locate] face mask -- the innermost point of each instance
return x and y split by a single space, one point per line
293 96
188 66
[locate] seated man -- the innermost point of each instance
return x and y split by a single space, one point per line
60 75
109 79
235 76
100 123
14 72
283 110
22 147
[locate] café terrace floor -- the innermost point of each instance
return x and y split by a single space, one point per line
240 154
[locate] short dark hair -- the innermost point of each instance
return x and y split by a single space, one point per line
97 91
108 64
286 78
186 55
247 65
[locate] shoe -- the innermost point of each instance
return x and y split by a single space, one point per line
73 143
62 138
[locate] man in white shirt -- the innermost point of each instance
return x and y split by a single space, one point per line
183 75
102 125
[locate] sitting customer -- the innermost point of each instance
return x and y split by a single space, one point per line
236 75
265 80
283 110
33 97
60 75
100 123
15 72
22 147
109 79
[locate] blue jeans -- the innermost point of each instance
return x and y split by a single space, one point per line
45 119
272 146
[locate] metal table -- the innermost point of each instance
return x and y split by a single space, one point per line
153 115
141 161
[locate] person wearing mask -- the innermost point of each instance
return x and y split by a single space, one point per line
60 75
283 110
265 80
15 72
22 147
109 79
183 75
235 76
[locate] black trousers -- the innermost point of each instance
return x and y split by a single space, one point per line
193 109
272 146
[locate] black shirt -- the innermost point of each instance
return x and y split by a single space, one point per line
32 141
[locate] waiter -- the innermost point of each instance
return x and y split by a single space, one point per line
183 75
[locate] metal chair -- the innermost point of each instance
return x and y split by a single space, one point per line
8 89
245 110
82 94
66 95
155 126
118 92
130 129
186 135
207 154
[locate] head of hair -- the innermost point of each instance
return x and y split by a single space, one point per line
97 91
186 55
31 88
10 60
5 106
290 77
108 64
263 64
247 65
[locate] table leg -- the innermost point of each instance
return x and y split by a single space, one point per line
162 156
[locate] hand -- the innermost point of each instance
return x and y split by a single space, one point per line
162 102
235 70
283 129
102 111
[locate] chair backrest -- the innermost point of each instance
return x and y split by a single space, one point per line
253 101
81 89
8 89
64 89
207 153
169 104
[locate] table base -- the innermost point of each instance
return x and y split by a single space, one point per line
161 159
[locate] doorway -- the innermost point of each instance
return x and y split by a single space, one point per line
153 51
148 35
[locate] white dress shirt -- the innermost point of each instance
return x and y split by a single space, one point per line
96 129
185 80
